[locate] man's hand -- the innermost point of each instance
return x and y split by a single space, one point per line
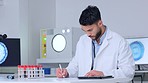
94 73
61 73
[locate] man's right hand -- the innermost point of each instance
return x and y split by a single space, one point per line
61 73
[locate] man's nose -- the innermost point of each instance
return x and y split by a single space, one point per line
89 34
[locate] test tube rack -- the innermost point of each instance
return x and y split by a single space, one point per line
30 71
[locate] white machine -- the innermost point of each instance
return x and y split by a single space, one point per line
139 48
61 43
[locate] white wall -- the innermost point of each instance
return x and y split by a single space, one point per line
23 29
9 18
41 16
127 17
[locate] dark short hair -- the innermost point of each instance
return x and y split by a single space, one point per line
90 15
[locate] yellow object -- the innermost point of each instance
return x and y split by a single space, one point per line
43 43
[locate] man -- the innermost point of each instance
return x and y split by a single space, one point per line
100 52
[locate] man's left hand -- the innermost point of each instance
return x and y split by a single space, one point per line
93 73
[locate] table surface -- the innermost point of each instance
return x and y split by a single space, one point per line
60 80
141 71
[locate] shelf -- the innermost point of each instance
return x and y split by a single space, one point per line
40 61
49 75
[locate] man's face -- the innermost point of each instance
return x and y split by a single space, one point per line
93 31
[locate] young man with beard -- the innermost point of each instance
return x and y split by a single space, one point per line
100 52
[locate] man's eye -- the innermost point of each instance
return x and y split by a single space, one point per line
89 30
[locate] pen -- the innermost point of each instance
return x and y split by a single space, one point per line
61 69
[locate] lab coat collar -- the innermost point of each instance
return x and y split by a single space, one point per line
105 42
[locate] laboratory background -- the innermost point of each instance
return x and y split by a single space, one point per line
27 21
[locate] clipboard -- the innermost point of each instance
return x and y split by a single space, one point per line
96 77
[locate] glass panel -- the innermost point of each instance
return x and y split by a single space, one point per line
59 43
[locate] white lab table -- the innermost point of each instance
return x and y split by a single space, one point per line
141 71
141 74
61 80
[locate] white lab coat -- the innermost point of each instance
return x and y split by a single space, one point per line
113 58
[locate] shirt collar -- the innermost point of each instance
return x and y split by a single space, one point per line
102 37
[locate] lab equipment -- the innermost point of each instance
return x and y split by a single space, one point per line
139 47
61 44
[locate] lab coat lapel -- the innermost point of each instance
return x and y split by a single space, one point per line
105 42
103 46
89 54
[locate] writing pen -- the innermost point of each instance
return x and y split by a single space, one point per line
61 70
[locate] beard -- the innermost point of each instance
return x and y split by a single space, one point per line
98 34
